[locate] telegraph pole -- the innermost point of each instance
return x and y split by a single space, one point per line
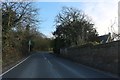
119 18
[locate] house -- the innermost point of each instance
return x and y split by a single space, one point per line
105 38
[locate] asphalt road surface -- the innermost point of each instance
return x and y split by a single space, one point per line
45 65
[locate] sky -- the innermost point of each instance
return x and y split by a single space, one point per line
103 14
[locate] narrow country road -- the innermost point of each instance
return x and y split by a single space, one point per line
45 65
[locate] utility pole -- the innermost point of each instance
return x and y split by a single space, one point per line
119 18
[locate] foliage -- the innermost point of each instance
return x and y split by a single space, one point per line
41 43
18 27
73 28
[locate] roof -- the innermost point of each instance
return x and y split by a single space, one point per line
104 38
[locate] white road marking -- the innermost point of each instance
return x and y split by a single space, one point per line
45 58
57 75
14 66
53 70
49 62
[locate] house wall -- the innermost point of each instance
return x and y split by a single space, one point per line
103 56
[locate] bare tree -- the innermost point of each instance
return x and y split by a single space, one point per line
73 28
18 20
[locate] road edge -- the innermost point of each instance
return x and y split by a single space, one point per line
14 66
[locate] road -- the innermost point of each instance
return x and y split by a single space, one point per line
45 65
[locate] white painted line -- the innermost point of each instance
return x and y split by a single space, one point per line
45 58
53 70
49 62
14 66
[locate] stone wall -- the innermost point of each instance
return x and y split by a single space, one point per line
103 56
